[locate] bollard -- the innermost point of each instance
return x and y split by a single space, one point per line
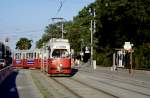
94 64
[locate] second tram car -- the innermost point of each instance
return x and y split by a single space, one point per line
27 58
58 57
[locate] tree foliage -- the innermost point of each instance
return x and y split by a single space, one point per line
23 44
117 21
124 20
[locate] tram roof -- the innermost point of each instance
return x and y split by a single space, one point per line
58 43
30 50
59 40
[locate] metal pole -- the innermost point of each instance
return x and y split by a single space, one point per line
62 30
81 50
93 30
130 62
94 22
91 42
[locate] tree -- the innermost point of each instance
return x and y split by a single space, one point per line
39 43
23 44
124 20
117 21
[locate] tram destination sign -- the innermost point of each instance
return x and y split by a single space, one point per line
61 47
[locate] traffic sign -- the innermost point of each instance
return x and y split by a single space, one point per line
127 46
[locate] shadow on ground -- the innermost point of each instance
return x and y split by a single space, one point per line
73 71
8 87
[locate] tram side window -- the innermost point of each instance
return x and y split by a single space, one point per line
35 56
18 55
29 55
24 56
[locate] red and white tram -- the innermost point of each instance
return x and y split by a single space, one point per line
57 57
27 58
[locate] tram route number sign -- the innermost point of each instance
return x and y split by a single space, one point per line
63 47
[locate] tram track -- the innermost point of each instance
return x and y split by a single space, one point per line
134 91
50 88
121 84
94 88
92 85
76 94
99 92
41 86
127 82
130 79
123 79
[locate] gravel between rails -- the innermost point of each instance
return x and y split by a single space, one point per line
38 94
76 94
49 88
42 89
66 87
82 89
94 88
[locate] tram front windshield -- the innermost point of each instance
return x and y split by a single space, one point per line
60 53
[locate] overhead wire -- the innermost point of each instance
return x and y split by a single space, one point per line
24 32
60 6
20 34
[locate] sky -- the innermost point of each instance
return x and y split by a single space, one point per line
28 18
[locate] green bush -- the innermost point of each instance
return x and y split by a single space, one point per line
102 59
141 56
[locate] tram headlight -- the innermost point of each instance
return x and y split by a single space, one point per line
59 67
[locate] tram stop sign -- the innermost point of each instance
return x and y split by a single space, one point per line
127 46
87 50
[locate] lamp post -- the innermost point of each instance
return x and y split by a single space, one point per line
93 30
